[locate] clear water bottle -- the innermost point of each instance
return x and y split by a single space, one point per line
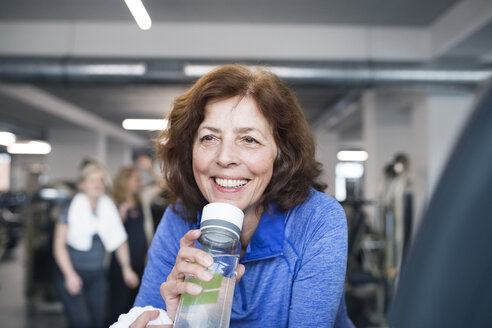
220 226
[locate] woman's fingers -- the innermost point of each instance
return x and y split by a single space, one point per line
172 290
194 255
240 272
189 238
143 319
185 269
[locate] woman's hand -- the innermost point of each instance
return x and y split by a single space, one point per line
130 277
185 266
73 283
147 316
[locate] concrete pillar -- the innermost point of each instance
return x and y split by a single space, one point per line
326 151
423 123
437 123
386 131
369 137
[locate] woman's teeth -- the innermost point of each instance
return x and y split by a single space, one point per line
229 183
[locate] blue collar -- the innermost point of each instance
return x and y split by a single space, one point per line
268 239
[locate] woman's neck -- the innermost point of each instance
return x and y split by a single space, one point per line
250 223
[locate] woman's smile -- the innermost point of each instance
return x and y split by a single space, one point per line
231 185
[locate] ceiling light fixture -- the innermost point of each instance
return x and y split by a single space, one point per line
139 13
7 138
198 70
136 69
32 147
144 124
352 155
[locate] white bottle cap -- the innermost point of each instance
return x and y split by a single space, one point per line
222 215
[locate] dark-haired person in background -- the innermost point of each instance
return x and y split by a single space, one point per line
126 191
239 136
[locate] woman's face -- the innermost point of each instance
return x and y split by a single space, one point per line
93 185
134 184
233 153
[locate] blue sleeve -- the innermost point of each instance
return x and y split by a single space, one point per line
161 259
319 283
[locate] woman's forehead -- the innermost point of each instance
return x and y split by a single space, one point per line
240 111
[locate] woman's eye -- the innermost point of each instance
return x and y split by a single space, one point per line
207 138
250 140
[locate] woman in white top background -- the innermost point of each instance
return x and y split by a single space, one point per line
88 229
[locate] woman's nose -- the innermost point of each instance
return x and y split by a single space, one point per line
228 154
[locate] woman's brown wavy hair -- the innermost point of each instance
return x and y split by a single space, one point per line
120 186
295 169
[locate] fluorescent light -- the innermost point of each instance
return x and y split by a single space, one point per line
349 170
33 147
352 155
52 193
144 124
7 138
198 70
139 13
136 69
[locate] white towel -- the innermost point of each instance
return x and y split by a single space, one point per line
83 224
125 320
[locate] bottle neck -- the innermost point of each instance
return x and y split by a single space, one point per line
216 240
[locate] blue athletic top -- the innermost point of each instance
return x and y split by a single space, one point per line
295 267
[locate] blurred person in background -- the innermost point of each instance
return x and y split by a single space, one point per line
151 190
85 232
126 195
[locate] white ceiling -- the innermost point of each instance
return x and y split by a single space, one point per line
359 12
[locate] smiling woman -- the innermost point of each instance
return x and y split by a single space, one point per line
238 136
295 169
